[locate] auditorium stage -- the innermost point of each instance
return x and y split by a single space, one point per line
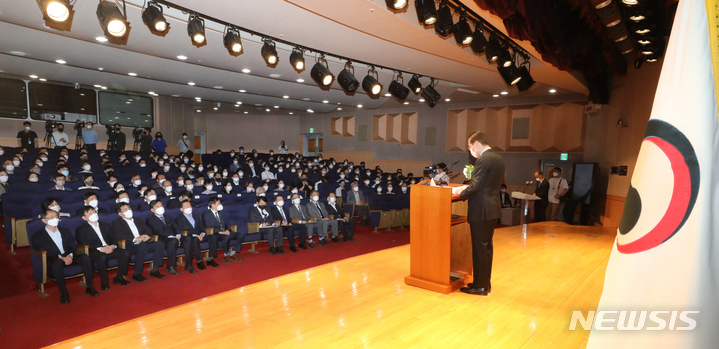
362 302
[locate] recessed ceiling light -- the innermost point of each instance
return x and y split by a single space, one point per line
285 96
405 103
191 83
291 113
245 112
43 79
131 102
175 96
182 57
388 95
198 110
101 39
275 76
218 87
246 71
98 86
100 68
495 96
268 109
60 61
104 87
258 105
339 108
325 101
421 99
447 99
277 106
310 111
504 93
237 105
215 108
243 91
552 90
305 99
132 74
300 80
359 105
33 76
82 94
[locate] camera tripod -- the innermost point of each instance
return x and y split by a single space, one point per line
78 140
49 139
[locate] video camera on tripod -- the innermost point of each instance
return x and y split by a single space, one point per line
79 126
50 126
137 133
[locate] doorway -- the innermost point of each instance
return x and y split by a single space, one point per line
312 144
566 166
199 145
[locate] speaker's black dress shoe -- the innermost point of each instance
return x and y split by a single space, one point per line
104 285
293 249
480 291
212 263
201 265
64 298
139 278
119 280
302 246
172 270
272 250
156 274
91 291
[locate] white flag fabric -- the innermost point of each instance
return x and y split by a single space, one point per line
666 255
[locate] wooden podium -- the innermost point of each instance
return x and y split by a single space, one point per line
440 240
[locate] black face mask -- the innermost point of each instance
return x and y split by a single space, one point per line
60 129
262 207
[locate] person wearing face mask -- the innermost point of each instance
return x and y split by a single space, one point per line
59 138
483 210
149 197
282 215
267 175
159 144
228 188
271 232
146 140
32 177
9 167
138 237
27 138
119 139
89 136
60 247
344 224
102 246
318 209
441 176
192 224
216 219
90 200
87 182
339 191
159 180
209 189
283 148
558 187
235 164
168 233
542 191
3 185
250 168
390 189
505 198
51 204
300 214
184 144
249 187
59 180
122 197
356 197
166 191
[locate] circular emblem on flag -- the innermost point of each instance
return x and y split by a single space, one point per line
664 188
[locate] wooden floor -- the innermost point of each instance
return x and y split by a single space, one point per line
539 277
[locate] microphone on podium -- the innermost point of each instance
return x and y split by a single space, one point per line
526 184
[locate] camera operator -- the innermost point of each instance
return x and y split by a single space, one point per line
120 138
441 174
146 141
89 137
26 138
59 138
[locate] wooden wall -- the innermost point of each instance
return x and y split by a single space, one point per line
357 156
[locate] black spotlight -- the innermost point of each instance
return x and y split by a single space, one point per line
479 42
370 84
430 95
414 84
444 25
113 22
510 73
463 32
347 79
233 42
426 11
196 30
297 59
321 74
155 20
505 58
493 49
269 53
527 81
398 90
396 4
57 14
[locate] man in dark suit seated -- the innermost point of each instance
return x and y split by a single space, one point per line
279 213
103 247
60 247
504 197
90 199
166 190
317 209
356 197
137 236
165 228
149 197
344 224
299 212
192 224
214 218
177 202
59 180
272 232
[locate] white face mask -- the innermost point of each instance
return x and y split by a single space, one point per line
3 179
94 218
537 179
366 182
60 183
389 189
190 186
143 165
293 170
55 208
16 162
27 128
89 127
236 180
355 188
40 163
161 162
168 189
296 201
229 188
315 198
167 168
152 197
184 137
125 200
281 185
160 211
93 203
265 187
162 180
240 174
220 207
379 189
555 174
333 200
53 222
295 191
280 203
209 187
404 189
187 211
471 151
128 214
503 190
342 176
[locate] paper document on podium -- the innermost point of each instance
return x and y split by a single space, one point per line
457 190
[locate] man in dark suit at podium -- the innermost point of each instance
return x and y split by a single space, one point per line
483 209
542 190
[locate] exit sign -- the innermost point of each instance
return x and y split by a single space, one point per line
563 156
312 130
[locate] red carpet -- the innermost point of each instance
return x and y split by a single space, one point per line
30 321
